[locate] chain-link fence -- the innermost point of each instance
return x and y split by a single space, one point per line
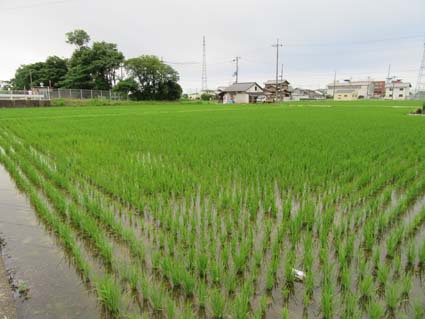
51 94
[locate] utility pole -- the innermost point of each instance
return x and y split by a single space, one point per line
31 79
333 94
277 46
204 84
420 83
281 74
237 67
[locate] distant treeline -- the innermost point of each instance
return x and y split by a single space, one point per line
101 66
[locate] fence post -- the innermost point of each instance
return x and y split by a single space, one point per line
110 95
70 93
59 93
91 94
101 94
81 94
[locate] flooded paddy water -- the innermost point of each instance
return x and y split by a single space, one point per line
45 285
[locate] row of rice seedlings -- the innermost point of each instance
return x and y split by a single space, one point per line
156 296
109 295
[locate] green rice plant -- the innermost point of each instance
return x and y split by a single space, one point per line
411 256
418 309
241 306
289 268
109 294
285 313
421 255
202 294
218 304
327 301
375 311
406 287
262 308
156 299
383 274
187 282
170 309
392 297
366 287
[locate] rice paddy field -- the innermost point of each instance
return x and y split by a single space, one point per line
301 210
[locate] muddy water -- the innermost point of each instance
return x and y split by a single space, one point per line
32 257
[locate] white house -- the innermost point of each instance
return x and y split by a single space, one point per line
3 84
299 94
242 93
397 90
360 90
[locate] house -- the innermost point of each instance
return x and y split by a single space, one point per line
363 89
247 92
397 90
378 89
194 96
284 90
299 94
4 84
346 95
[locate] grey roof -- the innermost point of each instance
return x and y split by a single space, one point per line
239 87
345 91
271 82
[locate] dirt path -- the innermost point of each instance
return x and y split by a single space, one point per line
7 306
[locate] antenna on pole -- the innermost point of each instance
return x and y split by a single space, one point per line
277 46
204 84
420 83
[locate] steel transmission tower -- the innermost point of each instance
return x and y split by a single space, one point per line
420 83
204 85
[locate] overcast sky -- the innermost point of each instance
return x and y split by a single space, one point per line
356 38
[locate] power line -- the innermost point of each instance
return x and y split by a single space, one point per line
35 5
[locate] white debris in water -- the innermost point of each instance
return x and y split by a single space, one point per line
299 275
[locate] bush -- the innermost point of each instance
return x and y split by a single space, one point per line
423 107
207 97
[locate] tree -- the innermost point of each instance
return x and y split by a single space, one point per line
51 72
127 88
78 37
156 80
94 67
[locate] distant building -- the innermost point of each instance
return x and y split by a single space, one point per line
359 90
4 84
284 90
346 95
306 94
247 92
194 96
378 89
397 90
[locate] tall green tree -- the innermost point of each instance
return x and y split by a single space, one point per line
92 67
78 37
156 80
51 72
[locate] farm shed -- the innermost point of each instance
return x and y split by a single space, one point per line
242 93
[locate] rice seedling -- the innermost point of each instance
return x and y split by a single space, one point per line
218 303
392 297
375 311
110 295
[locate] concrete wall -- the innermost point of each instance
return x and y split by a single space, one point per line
24 103
237 97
